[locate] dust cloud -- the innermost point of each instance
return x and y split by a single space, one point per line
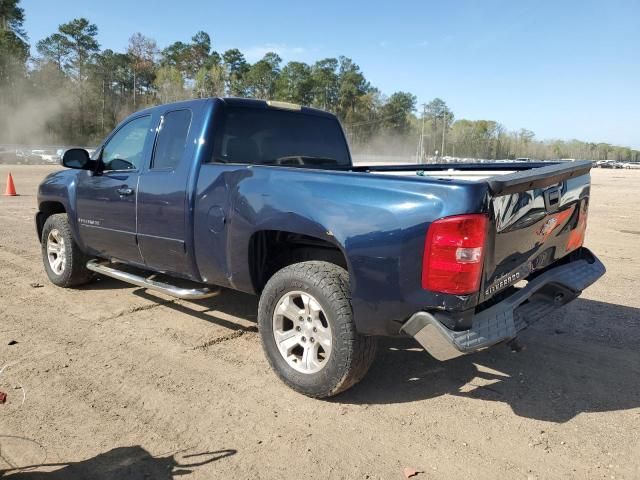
384 148
31 120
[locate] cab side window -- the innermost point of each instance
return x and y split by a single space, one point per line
124 150
172 139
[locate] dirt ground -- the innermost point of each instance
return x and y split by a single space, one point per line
123 383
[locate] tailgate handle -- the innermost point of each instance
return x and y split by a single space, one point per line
552 199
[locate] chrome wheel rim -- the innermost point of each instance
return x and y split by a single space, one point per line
56 251
301 332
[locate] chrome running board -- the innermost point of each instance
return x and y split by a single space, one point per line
107 269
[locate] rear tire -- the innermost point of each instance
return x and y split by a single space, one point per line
63 260
307 308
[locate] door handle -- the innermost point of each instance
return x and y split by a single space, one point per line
124 191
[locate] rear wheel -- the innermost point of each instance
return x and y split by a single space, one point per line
63 261
307 330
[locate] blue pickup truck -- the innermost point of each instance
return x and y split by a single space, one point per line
259 196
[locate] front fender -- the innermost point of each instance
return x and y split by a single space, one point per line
60 188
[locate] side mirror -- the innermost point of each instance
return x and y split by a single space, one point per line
76 158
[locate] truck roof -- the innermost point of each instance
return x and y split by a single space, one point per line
240 102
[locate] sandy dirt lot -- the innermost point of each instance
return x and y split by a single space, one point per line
122 383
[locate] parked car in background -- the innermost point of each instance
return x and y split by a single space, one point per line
26 156
46 155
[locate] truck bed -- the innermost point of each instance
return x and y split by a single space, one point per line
538 212
501 180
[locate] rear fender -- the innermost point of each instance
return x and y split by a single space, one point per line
378 222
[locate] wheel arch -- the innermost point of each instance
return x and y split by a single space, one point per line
272 250
45 210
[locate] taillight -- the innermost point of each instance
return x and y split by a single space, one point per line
454 253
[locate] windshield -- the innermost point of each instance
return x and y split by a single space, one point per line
276 137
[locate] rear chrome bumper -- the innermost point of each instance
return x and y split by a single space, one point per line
502 321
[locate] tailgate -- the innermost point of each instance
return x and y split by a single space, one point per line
537 217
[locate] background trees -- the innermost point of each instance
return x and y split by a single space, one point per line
142 53
14 52
236 69
72 92
261 77
396 113
14 47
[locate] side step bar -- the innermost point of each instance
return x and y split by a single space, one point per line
108 270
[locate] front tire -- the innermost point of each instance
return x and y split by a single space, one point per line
63 261
307 330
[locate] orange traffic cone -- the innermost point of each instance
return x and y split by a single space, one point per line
11 188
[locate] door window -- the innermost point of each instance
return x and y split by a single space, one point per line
172 139
124 150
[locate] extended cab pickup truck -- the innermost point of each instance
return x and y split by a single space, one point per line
262 197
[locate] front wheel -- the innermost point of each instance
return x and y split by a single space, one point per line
307 330
63 261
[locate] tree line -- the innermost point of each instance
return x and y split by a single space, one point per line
73 92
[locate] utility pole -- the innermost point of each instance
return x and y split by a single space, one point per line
102 115
444 129
420 150
134 88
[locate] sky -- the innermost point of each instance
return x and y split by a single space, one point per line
563 69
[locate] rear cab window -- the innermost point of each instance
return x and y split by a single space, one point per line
268 136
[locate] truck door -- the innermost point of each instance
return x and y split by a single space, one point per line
162 195
106 202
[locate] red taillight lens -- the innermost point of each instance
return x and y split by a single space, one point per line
454 253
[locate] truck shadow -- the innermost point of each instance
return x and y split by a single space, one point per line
104 283
123 463
581 359
229 304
